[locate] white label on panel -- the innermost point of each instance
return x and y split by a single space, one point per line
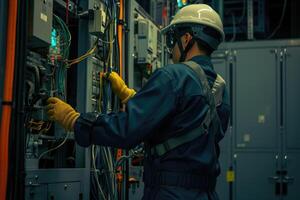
44 17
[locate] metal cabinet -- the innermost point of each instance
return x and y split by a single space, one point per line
221 61
264 86
61 191
263 128
292 95
291 180
256 98
290 125
54 191
57 184
35 191
222 64
254 176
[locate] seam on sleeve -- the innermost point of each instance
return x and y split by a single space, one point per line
171 78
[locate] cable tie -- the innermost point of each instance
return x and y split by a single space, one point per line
7 103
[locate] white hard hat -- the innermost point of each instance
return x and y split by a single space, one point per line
197 14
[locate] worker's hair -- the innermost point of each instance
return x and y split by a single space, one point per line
202 45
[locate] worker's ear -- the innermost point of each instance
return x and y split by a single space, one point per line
186 38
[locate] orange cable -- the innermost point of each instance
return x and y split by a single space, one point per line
8 94
120 43
120 37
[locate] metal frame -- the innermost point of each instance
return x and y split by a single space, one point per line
129 41
222 62
83 155
219 5
36 178
250 18
259 27
259 44
129 38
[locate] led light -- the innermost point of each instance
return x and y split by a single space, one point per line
182 3
53 38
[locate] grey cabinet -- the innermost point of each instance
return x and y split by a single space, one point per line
35 191
57 184
222 65
255 98
265 145
254 176
60 191
266 105
292 94
291 181
53 191
290 122
221 61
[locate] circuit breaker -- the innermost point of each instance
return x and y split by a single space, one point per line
147 48
97 24
40 22
146 41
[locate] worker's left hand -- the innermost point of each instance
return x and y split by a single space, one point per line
62 113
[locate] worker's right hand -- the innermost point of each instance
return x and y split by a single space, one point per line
62 113
120 88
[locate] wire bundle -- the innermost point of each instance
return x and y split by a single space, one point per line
81 58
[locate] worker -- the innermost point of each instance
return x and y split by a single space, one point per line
180 114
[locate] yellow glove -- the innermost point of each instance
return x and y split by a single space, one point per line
62 113
120 88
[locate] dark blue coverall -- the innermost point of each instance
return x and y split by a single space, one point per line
171 103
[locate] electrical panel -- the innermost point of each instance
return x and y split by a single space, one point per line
95 67
145 53
40 22
147 41
97 23
144 45
147 47
50 151
51 154
72 46
45 77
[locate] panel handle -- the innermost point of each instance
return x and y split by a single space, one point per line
277 161
222 55
288 179
231 92
285 181
274 178
281 89
31 184
277 183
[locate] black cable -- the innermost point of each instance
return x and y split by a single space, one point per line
243 12
117 43
116 57
94 188
16 169
127 184
280 21
233 27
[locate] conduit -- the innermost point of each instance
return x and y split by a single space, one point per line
8 94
